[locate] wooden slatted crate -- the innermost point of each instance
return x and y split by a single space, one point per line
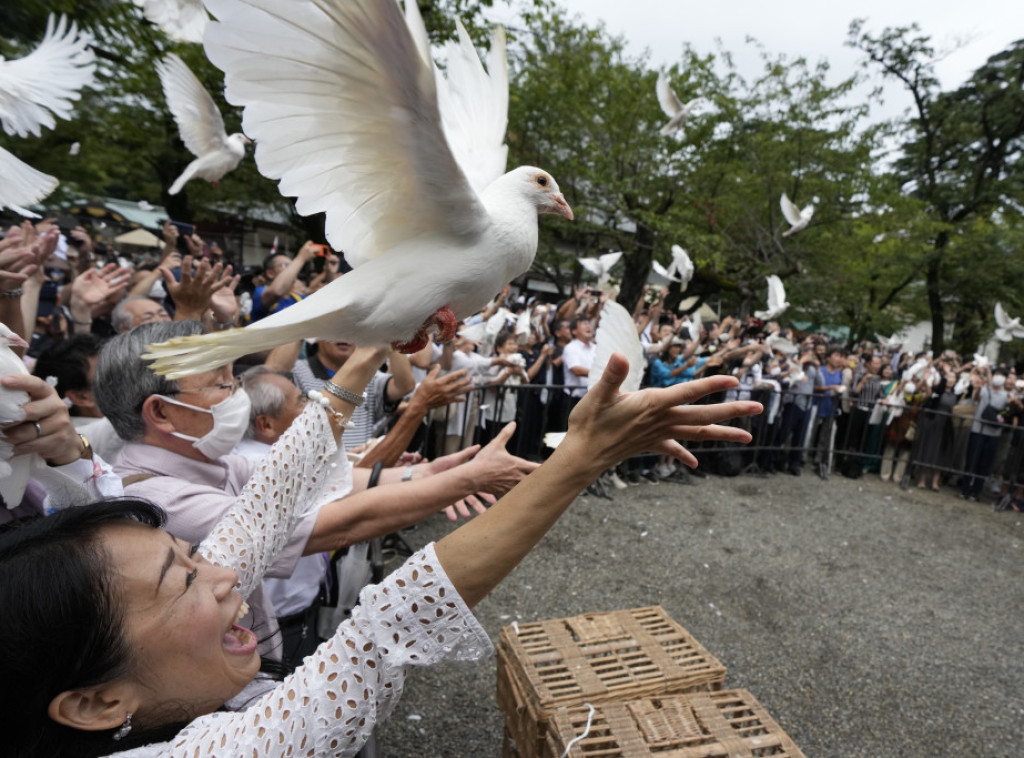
594 658
699 725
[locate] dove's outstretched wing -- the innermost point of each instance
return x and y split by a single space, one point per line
43 84
22 185
695 326
197 116
181 20
664 274
344 111
776 299
473 101
616 333
1002 320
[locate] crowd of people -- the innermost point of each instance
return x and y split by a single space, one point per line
281 480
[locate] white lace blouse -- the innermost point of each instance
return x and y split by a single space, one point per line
329 706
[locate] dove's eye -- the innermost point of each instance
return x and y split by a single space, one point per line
542 180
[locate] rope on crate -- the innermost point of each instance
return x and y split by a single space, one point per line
586 731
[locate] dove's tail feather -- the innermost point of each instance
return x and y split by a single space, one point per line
184 356
187 174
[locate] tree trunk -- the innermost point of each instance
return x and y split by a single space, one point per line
932 282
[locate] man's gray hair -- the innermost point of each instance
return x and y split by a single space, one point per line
120 319
123 380
265 398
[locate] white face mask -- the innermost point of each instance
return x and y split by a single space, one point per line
775 371
998 380
230 420
909 388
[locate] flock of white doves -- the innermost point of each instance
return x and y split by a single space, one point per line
353 118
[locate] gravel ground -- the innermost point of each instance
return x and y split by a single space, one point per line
869 621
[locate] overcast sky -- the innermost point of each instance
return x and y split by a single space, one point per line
812 29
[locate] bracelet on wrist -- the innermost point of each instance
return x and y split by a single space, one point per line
12 293
336 416
345 394
407 474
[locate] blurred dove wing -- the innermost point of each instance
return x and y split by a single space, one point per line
344 111
1001 318
789 210
616 333
475 332
43 84
681 264
498 321
22 185
664 273
197 116
776 293
14 472
181 20
667 99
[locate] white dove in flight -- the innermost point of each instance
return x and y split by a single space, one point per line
695 326
41 87
675 110
181 20
1007 328
22 185
34 92
200 124
14 472
681 266
798 219
888 343
616 333
777 304
344 106
660 275
601 266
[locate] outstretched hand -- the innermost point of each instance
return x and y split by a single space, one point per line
608 426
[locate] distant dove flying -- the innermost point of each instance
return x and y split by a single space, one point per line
798 219
1007 328
200 124
681 266
601 266
675 110
777 304
354 119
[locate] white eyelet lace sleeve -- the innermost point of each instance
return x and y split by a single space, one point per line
285 485
329 706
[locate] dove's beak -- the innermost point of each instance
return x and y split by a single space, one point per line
14 340
559 206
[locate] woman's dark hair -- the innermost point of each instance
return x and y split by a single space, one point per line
68 361
62 626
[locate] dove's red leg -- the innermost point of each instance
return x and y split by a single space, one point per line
446 323
417 343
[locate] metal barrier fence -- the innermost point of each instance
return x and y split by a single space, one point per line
899 444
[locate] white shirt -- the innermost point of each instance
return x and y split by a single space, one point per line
577 353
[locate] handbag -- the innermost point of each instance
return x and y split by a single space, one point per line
990 415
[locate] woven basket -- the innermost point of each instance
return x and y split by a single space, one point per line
700 725
594 658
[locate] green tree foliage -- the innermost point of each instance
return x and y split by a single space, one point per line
961 157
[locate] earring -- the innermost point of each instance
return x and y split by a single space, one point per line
126 727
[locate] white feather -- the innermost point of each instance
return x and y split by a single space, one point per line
22 185
696 326
200 125
675 110
777 304
798 219
616 333
43 85
661 274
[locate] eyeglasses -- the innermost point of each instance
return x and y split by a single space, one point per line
232 387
